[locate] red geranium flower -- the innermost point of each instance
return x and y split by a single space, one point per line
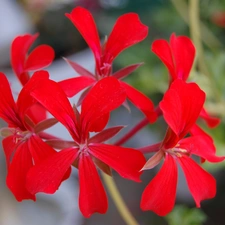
181 107
178 56
22 144
84 152
127 31
22 62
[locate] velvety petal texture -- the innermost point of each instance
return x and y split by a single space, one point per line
202 185
8 108
127 31
84 22
210 120
16 177
140 101
159 195
19 50
52 97
181 106
104 97
202 146
178 55
22 62
74 85
126 161
47 175
92 197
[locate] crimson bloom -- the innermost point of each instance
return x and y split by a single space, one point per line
84 152
181 107
127 31
178 56
22 62
22 144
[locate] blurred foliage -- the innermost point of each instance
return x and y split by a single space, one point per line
182 215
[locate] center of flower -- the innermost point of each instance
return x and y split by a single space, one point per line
177 151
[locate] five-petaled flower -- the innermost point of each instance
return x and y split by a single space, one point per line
181 107
22 144
127 31
84 152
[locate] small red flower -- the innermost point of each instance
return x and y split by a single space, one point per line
178 56
22 144
181 107
22 62
127 31
85 152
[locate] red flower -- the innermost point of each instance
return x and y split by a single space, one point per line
178 56
181 107
85 152
22 145
127 31
22 62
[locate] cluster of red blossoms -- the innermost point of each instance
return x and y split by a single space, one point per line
40 162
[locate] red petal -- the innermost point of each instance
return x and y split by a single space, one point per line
159 195
202 185
100 124
40 57
16 178
39 149
79 69
210 120
140 101
84 22
74 85
127 31
202 146
183 52
48 174
126 161
181 106
53 98
9 146
37 113
104 97
92 196
19 50
25 100
126 71
162 49
8 109
105 134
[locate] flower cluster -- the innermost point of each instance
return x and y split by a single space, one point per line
40 162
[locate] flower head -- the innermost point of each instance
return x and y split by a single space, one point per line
85 152
127 31
22 144
181 107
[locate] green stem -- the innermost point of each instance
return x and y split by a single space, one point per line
117 198
196 37
208 37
